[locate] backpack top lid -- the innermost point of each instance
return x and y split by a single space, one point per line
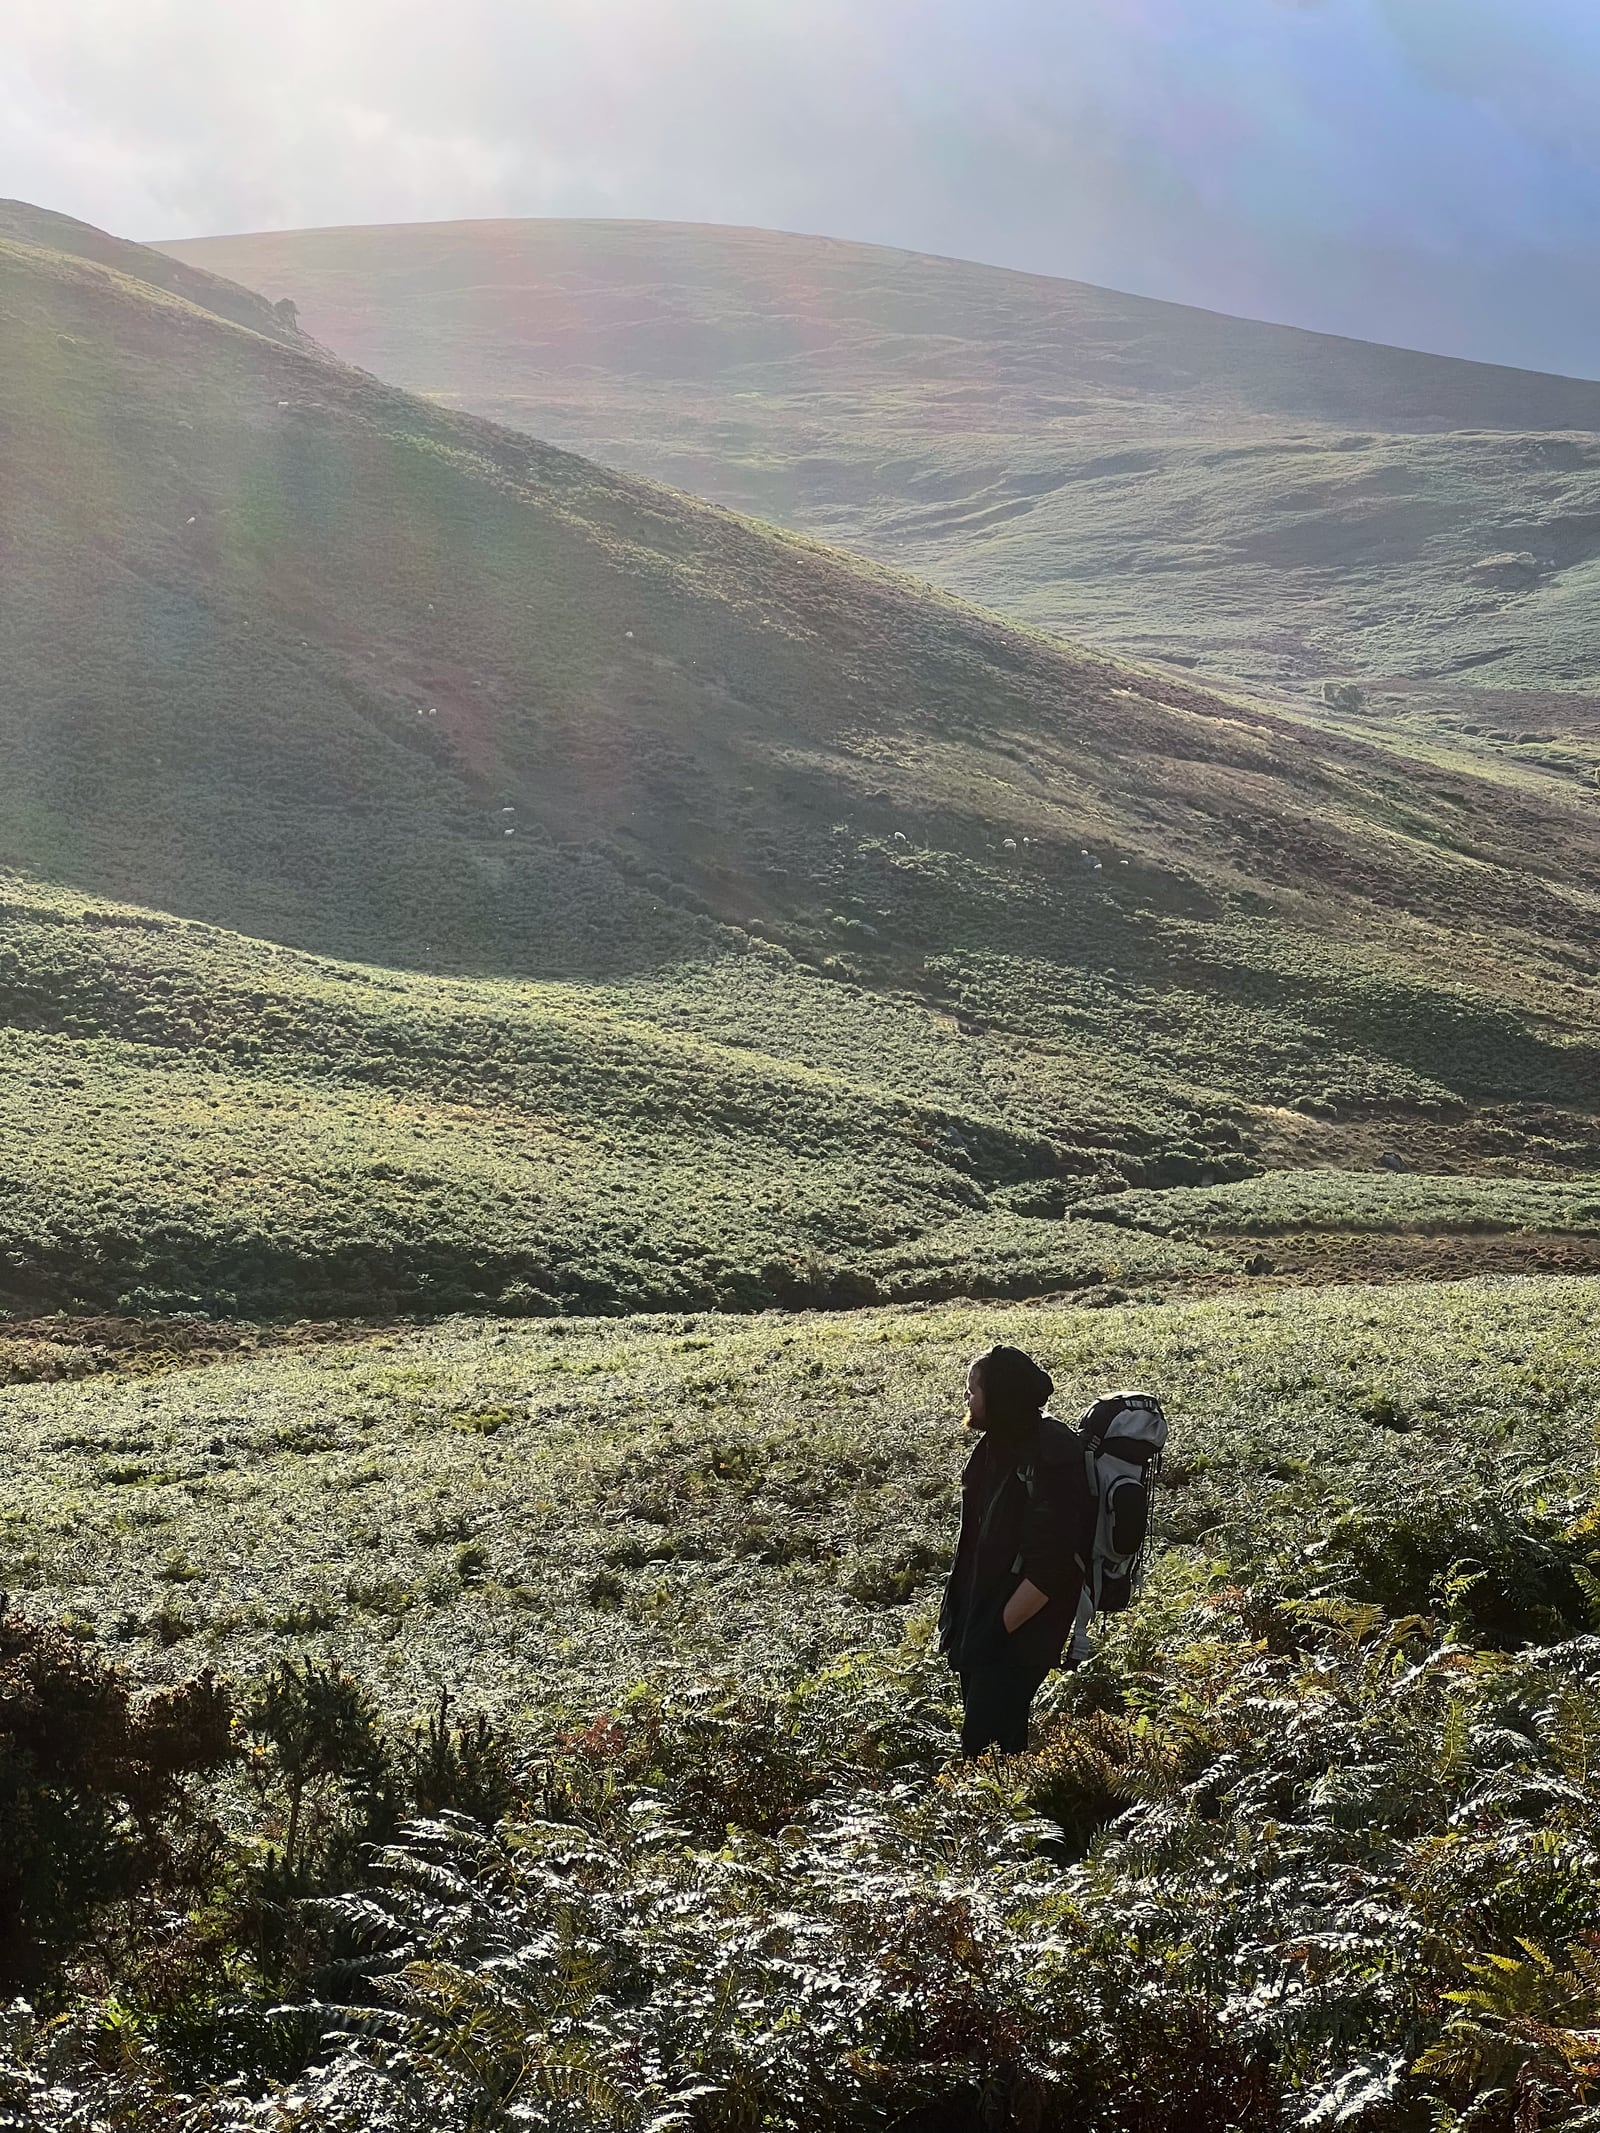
1126 1419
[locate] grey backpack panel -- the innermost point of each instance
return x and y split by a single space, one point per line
1123 1435
1120 1440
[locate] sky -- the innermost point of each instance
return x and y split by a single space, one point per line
1418 171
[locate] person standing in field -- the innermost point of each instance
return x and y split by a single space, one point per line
1012 1595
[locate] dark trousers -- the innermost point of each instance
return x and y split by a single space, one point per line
995 1702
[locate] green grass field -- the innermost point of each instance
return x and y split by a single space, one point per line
1317 1820
540 1516
198 1122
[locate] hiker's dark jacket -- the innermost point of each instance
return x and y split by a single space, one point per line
1009 1532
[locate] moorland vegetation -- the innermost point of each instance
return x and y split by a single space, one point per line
1310 1841
513 885
1274 506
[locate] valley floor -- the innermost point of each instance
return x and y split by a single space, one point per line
535 1515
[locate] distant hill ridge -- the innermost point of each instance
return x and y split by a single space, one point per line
762 297
1277 505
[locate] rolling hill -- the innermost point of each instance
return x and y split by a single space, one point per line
21 223
442 872
1274 506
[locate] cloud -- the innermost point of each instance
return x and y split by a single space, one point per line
1362 164
395 106
1536 64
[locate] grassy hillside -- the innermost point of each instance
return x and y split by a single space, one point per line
775 928
198 1121
1272 505
43 229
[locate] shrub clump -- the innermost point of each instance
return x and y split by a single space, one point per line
97 1792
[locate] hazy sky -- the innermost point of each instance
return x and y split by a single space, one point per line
1418 170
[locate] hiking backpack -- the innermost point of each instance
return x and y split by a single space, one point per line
1120 1439
1123 1437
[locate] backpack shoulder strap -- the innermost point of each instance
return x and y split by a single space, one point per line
1063 1455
